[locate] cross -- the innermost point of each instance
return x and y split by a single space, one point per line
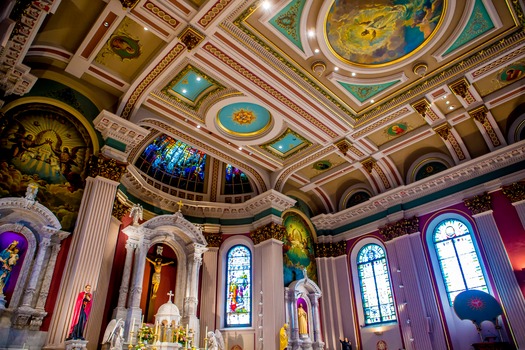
170 294
305 275
180 205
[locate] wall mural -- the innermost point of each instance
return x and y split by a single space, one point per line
48 146
380 32
298 249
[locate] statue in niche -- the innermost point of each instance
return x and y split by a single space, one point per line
302 318
155 278
8 259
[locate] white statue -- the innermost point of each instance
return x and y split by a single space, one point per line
136 213
215 340
31 191
114 335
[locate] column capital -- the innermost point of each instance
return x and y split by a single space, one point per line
271 230
515 192
328 250
108 168
479 204
213 239
119 209
400 228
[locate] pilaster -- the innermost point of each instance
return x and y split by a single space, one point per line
516 194
502 272
209 285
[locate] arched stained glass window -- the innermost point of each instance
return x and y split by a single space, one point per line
174 163
458 258
235 181
374 280
239 287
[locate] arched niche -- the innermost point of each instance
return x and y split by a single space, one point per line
305 292
42 235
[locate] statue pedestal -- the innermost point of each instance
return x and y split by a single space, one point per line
168 346
76 344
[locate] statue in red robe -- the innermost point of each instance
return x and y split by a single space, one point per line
81 314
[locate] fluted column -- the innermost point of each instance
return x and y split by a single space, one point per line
192 290
46 283
120 310
314 302
86 253
502 272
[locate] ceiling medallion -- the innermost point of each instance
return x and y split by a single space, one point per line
243 117
318 68
190 37
420 69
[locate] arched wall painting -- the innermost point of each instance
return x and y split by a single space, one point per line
381 32
46 145
298 248
11 271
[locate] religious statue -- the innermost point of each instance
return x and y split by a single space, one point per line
31 191
283 337
215 340
114 335
155 278
136 213
302 318
81 314
345 344
8 259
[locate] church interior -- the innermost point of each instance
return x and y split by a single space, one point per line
262 174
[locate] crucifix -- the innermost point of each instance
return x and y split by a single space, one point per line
180 204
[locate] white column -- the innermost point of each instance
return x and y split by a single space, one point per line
269 255
120 310
208 300
85 254
503 274
36 272
314 301
191 300
520 209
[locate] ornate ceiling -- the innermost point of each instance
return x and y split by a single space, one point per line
319 100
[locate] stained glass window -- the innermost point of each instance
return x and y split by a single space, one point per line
239 287
374 280
458 258
174 163
235 181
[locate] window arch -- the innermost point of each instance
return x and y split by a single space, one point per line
374 282
458 258
238 287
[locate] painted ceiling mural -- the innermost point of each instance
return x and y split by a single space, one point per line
48 146
374 33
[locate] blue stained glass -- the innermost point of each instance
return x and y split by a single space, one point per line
374 280
174 163
235 181
458 258
239 288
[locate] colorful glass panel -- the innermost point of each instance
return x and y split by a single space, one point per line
374 280
458 259
235 181
174 163
239 288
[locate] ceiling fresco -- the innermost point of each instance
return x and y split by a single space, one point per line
309 98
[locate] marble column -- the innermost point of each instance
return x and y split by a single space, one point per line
29 293
120 310
208 299
501 269
192 289
46 283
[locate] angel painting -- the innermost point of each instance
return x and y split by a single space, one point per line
215 340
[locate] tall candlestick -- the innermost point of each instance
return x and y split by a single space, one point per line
131 331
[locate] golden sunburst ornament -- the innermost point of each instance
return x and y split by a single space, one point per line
243 117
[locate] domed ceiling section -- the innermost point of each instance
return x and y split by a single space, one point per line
375 34
182 170
243 119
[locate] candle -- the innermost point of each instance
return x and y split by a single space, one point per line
131 331
142 321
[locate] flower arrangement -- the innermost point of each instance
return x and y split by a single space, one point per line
146 334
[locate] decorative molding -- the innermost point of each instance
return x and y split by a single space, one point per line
191 37
213 12
213 239
328 250
108 168
479 204
515 192
268 231
120 209
129 4
343 146
369 164
400 228
443 131
479 114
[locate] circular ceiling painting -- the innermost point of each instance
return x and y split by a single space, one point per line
378 33
244 119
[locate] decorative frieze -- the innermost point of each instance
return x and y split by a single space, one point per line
515 192
272 230
479 204
213 239
107 167
328 250
400 228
